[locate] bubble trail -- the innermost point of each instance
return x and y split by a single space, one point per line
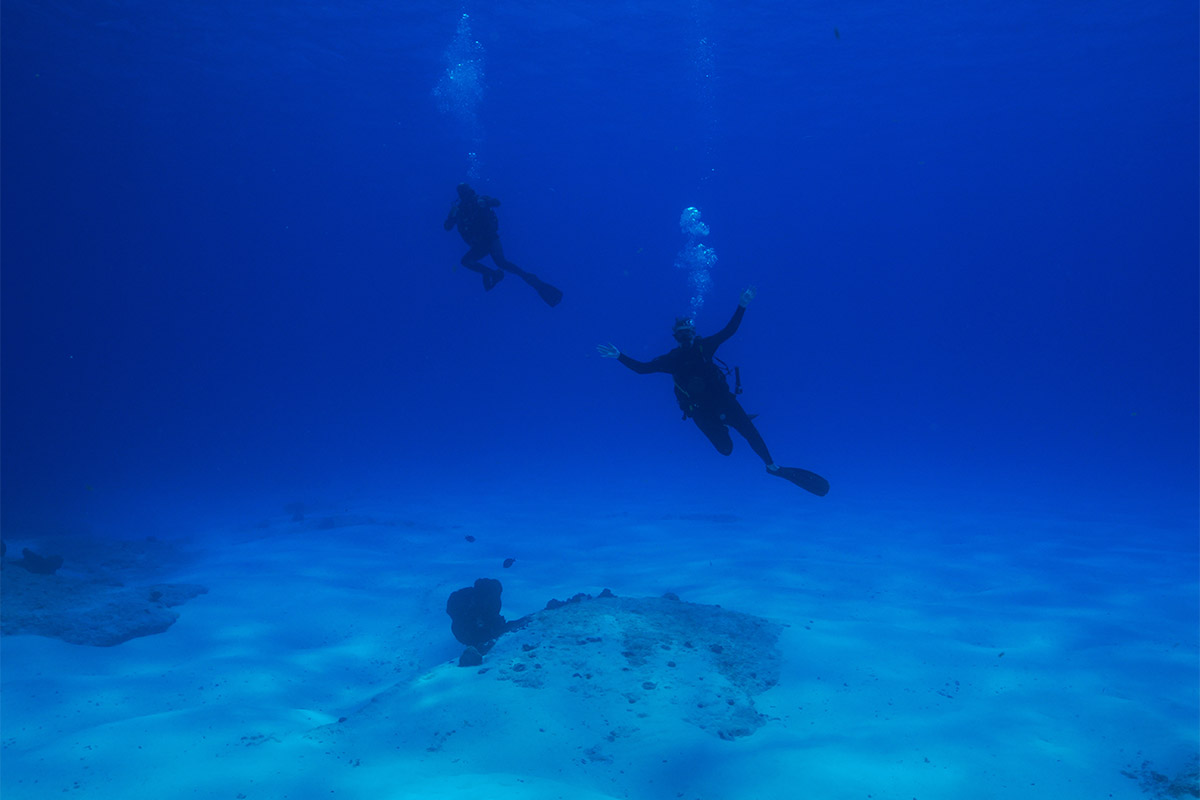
695 258
460 89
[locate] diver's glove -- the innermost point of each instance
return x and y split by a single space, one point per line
608 350
747 296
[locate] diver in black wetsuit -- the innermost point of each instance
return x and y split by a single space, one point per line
703 393
477 224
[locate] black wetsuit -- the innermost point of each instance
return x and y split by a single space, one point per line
479 227
477 224
702 391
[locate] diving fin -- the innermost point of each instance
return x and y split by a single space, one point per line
491 278
810 481
551 294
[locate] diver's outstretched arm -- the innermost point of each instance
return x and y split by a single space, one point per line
717 339
661 364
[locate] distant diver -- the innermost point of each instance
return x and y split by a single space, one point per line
703 392
479 228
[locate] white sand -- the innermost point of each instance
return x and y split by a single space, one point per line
957 658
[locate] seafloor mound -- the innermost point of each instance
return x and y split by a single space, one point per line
586 681
701 663
91 604
1159 786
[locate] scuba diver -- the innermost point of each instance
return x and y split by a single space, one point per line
477 224
703 392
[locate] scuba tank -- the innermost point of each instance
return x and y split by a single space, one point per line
687 396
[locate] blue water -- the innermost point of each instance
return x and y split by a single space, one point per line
225 286
974 234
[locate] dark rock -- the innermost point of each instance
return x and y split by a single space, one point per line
475 613
39 565
508 562
578 598
175 594
671 596
469 538
470 658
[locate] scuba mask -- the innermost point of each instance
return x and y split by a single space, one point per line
684 330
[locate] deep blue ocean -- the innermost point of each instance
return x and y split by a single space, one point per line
973 230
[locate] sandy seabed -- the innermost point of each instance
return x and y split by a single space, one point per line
936 659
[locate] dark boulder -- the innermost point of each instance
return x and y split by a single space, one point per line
470 658
40 565
475 614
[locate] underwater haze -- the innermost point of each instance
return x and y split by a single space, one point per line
239 353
